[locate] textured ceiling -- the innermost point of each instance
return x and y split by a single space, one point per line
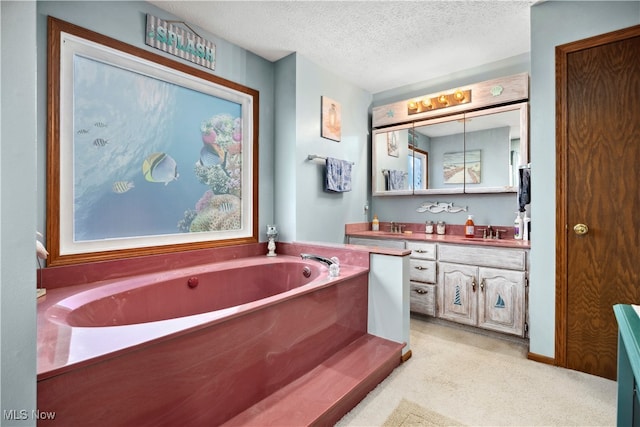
377 45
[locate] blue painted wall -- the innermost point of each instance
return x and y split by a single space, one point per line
304 211
17 210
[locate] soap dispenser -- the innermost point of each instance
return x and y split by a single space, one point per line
469 227
525 226
375 224
517 227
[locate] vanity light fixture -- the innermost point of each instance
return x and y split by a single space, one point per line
444 100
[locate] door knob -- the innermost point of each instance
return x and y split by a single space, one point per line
581 229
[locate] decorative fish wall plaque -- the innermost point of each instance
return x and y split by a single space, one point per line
438 207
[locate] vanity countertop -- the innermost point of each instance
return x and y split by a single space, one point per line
437 238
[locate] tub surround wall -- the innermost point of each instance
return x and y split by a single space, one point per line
76 274
346 254
69 275
388 315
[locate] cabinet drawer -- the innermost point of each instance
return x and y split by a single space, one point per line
383 243
422 250
422 298
512 259
422 270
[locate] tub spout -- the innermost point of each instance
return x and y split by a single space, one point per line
327 261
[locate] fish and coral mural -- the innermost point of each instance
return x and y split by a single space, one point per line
151 157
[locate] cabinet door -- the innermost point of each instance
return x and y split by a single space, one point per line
458 293
501 301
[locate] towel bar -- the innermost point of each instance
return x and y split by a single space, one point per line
315 156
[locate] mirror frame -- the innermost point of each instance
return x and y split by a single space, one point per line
522 107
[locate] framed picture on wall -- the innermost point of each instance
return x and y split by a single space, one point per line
331 119
145 155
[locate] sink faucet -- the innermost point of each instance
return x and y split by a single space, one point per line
396 228
318 258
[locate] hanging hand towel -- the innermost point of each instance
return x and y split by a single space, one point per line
337 176
524 190
395 180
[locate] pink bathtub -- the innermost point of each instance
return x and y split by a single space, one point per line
191 346
185 292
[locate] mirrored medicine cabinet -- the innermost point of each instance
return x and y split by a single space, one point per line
470 152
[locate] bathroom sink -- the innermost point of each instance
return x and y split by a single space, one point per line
388 233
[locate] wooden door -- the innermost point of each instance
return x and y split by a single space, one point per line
501 300
458 293
598 184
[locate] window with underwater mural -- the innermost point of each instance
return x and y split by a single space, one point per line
153 155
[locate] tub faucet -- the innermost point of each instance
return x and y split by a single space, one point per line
327 261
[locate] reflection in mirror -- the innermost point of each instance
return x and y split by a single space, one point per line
492 149
440 143
418 169
391 174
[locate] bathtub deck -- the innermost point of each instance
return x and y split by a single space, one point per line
325 394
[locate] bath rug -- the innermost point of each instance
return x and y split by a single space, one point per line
409 414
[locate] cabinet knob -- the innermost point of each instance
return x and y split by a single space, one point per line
420 251
419 267
421 291
482 285
473 284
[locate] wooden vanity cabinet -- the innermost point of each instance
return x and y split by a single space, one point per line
484 287
481 286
